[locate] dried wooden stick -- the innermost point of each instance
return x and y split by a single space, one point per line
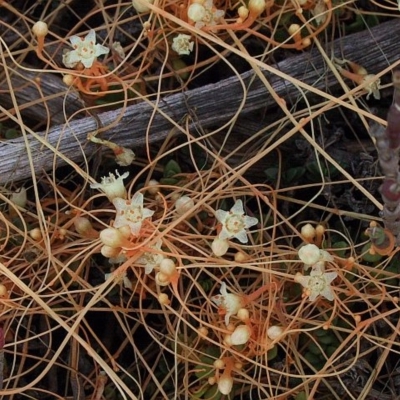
212 104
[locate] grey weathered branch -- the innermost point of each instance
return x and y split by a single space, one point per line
212 104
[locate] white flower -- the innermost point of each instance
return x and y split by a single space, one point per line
317 283
234 222
229 303
151 259
373 87
182 44
85 51
131 213
111 186
204 14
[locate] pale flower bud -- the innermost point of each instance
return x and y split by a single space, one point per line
3 291
112 237
241 256
36 234
125 231
293 29
40 28
152 187
167 267
219 364
68 79
240 335
220 246
184 204
83 225
308 232
274 332
110 252
163 299
243 12
243 314
141 5
162 279
309 254
225 383
256 6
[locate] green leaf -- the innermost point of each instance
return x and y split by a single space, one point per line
272 173
292 174
171 169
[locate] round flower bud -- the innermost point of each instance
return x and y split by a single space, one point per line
112 237
203 331
308 232
243 12
125 231
167 267
241 256
40 28
220 246
219 364
274 332
164 299
141 5
152 187
243 314
293 29
240 335
3 291
225 384
68 79
184 204
256 6
162 279
110 252
309 254
82 225
36 234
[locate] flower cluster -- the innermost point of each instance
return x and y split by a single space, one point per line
318 282
204 13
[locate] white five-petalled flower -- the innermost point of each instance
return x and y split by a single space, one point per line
111 186
131 213
317 283
85 51
182 44
227 302
234 222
